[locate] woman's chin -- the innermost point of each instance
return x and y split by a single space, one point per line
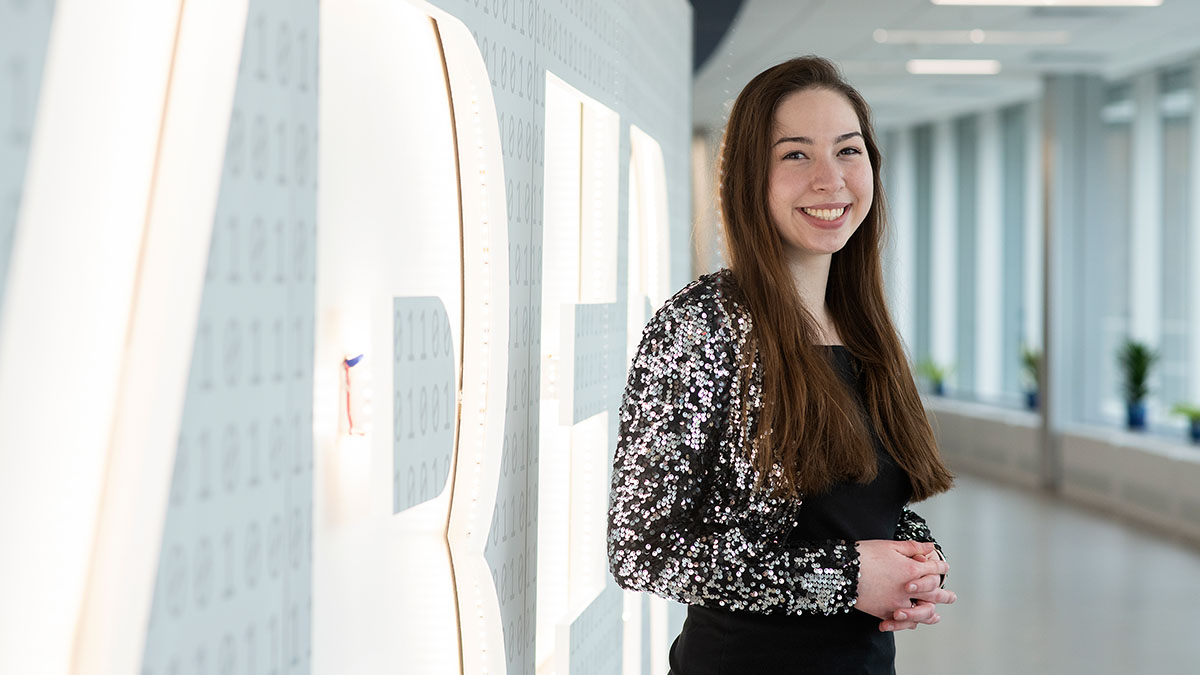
816 249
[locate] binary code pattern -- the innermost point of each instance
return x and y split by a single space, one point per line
233 589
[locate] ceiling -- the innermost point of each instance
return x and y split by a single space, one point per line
1113 42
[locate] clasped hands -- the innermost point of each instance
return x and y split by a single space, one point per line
899 583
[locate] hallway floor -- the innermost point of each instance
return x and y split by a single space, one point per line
1045 586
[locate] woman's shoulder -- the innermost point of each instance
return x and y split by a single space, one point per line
714 295
706 311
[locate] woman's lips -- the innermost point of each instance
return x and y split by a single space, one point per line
821 222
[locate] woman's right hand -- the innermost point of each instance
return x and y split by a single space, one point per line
900 576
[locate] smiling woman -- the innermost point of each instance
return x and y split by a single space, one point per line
820 184
771 434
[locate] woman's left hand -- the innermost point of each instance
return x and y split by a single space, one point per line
925 601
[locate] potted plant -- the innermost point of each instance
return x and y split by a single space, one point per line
935 373
1031 366
1136 359
1192 412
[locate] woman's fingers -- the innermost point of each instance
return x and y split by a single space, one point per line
889 626
937 566
921 612
939 596
893 625
908 619
892 572
924 584
910 548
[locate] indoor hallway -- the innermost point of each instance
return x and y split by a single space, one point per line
1047 586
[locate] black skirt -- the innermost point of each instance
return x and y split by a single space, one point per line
719 642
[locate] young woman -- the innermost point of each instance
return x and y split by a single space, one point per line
771 434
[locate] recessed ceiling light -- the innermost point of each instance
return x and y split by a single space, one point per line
953 66
967 37
1055 3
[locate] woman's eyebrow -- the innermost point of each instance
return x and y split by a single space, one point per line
808 141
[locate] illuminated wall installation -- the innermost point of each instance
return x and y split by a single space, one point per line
410 249
579 322
109 282
208 451
648 235
631 59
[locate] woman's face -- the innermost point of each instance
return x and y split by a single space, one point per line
820 180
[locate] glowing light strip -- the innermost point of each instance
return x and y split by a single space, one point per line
1053 3
485 311
953 67
976 36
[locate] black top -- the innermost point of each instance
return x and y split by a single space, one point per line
716 641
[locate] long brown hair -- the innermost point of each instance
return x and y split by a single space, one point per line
810 426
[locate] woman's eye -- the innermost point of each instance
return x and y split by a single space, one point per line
795 154
851 151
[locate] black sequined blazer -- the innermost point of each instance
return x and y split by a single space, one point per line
685 521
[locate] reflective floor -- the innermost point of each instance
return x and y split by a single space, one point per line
1045 586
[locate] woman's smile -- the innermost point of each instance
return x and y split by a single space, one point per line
829 216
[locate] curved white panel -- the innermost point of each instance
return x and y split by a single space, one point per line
67 310
389 253
485 352
161 331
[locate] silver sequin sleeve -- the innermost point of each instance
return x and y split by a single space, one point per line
912 526
685 520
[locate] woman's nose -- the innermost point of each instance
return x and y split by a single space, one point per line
827 176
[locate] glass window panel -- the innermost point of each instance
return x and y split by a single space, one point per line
1107 300
966 134
923 147
1012 129
1173 367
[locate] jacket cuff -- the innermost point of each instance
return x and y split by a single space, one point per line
831 580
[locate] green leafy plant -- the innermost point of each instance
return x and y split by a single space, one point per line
1031 366
1136 359
1191 412
933 371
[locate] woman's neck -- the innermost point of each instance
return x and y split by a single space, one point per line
811 276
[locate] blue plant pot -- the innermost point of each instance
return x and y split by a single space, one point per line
1031 399
1195 429
1136 417
939 388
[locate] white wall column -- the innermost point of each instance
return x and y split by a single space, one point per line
989 247
902 198
943 285
1145 234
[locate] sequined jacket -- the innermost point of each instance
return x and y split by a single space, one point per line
685 519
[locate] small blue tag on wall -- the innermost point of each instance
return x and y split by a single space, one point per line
424 395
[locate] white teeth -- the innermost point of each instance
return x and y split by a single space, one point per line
825 214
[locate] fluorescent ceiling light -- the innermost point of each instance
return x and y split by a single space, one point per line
1055 3
953 66
967 37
